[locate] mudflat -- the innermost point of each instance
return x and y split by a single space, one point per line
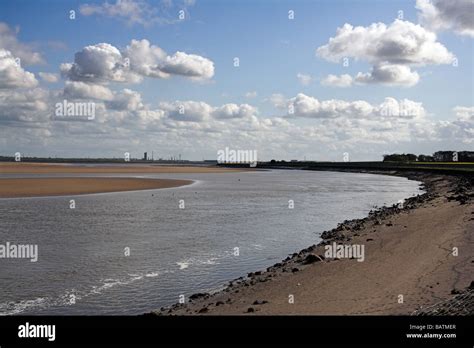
33 187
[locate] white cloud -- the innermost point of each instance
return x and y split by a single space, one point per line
229 111
196 111
304 79
455 15
278 100
306 106
144 58
83 90
460 129
190 65
344 80
102 63
99 63
390 49
29 105
12 75
391 75
127 100
191 111
49 77
139 11
464 113
9 42
132 11
252 94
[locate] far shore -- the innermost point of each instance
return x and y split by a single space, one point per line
36 187
418 260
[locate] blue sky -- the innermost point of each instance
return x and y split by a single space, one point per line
272 50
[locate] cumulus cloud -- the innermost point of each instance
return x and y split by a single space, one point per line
126 100
9 42
99 63
391 49
304 79
196 111
278 100
144 58
139 11
12 75
192 111
83 90
447 15
252 94
464 113
390 74
102 63
29 105
460 129
343 80
190 65
229 111
307 106
49 77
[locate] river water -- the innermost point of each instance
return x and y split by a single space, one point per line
131 252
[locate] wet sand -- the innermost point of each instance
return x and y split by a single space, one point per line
408 252
33 187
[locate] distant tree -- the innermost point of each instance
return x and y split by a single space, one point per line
399 157
425 158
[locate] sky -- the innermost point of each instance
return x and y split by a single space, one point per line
321 79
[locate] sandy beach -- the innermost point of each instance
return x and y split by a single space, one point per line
33 187
409 264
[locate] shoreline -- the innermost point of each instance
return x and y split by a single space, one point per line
408 254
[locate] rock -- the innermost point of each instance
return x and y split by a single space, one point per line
257 302
250 310
219 303
369 240
311 258
203 310
294 270
198 295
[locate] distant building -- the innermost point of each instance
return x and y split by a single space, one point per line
453 156
145 156
466 156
